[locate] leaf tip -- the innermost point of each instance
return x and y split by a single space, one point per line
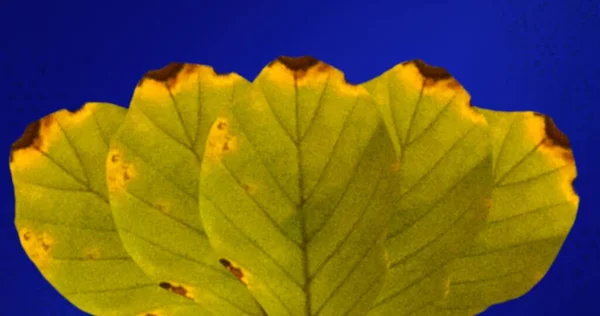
555 135
29 138
165 74
34 141
302 63
432 73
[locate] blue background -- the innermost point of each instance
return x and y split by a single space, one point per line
510 55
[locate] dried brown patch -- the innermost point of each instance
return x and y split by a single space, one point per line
553 134
301 65
431 72
30 138
237 272
166 75
177 289
296 63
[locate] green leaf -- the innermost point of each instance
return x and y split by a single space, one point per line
295 189
533 209
445 169
64 220
152 171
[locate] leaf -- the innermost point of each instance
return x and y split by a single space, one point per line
533 209
64 220
295 189
445 169
152 171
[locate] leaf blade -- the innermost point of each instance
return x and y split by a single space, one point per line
285 185
63 217
533 209
153 164
445 167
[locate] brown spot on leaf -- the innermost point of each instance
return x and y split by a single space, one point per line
115 157
431 72
237 272
177 289
221 125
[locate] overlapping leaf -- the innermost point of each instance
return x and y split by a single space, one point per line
445 168
295 190
152 171
64 220
533 209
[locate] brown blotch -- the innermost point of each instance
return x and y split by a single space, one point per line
166 74
237 272
179 289
554 135
431 72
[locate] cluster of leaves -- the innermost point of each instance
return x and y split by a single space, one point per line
296 194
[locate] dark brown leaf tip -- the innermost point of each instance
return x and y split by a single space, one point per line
169 71
165 74
431 72
297 63
555 135
31 133
30 138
